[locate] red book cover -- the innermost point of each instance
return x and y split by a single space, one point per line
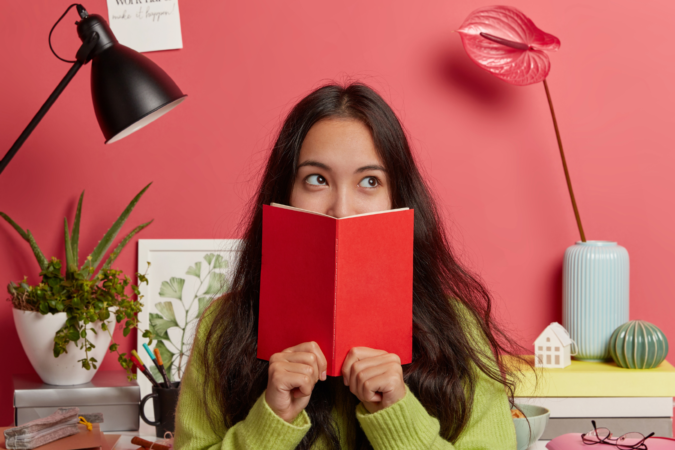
340 282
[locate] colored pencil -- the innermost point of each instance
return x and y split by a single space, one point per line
160 366
136 360
154 361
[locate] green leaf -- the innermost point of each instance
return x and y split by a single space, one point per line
115 253
109 237
217 284
220 263
172 289
160 325
159 336
75 236
209 258
204 302
166 309
70 265
195 270
156 375
73 334
15 226
42 261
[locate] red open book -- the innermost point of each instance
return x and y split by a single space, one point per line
340 282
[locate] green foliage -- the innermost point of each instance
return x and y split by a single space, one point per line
209 286
85 301
85 298
97 255
72 241
185 302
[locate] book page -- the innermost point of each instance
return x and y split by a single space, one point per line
279 205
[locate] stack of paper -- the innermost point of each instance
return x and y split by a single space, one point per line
83 439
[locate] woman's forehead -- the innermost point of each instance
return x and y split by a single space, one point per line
339 143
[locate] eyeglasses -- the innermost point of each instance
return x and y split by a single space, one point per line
628 441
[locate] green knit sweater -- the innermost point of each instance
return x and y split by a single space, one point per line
402 426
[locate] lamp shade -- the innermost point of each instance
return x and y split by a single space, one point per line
128 90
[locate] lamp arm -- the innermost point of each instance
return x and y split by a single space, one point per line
40 114
82 58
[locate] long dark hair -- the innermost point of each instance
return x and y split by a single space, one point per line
442 374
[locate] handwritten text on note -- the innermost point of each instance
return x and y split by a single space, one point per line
146 25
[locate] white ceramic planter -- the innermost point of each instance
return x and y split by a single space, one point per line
36 333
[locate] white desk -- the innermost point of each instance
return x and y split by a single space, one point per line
148 433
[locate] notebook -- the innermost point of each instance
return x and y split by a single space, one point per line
342 283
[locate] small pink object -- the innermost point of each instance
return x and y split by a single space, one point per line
506 43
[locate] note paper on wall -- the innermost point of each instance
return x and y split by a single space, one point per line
146 25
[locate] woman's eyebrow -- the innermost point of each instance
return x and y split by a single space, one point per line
370 167
313 163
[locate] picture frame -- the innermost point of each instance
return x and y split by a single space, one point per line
184 276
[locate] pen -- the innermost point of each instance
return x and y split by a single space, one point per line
137 360
160 365
154 360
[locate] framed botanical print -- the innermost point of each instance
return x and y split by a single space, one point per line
184 277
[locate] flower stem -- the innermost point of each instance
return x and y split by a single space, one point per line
562 156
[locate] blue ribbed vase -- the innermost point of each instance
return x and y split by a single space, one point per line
595 295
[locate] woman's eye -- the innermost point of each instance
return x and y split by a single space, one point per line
369 182
316 180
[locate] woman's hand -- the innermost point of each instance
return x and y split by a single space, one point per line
374 376
291 378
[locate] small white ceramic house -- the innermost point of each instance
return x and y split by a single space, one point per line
553 347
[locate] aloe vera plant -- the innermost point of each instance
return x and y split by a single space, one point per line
72 241
86 296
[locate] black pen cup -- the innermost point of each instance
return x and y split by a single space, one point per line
164 403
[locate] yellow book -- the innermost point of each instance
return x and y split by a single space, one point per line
595 379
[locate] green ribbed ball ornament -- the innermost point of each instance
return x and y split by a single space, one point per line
638 345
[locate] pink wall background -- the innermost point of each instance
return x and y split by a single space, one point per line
487 148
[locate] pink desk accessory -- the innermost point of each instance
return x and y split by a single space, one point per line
572 441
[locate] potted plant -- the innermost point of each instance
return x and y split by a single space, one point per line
66 322
505 42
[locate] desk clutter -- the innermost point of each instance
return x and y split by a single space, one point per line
65 429
622 400
108 393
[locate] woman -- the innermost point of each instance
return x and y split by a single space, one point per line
341 151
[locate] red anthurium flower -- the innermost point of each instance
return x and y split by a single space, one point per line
505 42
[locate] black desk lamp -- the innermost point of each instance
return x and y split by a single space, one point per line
128 90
